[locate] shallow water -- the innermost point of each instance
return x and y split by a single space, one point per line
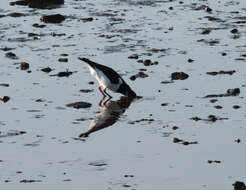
137 151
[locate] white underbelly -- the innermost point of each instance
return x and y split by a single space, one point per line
103 80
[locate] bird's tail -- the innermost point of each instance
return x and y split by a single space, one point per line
91 63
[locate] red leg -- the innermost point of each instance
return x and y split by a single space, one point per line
104 95
107 93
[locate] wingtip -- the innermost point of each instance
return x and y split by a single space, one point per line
83 59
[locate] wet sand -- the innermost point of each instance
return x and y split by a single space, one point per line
185 59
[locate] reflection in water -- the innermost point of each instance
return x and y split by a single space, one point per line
110 112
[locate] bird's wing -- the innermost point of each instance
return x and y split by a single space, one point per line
113 76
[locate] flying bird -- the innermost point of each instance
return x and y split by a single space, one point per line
108 79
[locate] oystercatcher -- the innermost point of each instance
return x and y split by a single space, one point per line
108 79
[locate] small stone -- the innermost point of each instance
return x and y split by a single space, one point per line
46 69
234 31
179 76
4 98
190 60
134 56
11 55
208 9
63 59
234 91
56 18
90 19
147 62
239 185
236 107
24 65
78 105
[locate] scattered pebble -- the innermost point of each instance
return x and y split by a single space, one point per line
236 107
86 90
4 98
238 140
4 84
24 65
221 72
206 31
179 76
211 118
46 69
29 181
214 161
234 31
139 75
89 19
11 55
230 92
56 18
190 60
134 56
239 185
177 140
78 105
63 59
63 74
36 25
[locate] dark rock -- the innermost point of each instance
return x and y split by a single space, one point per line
190 60
86 90
63 74
221 72
40 4
29 181
230 92
239 185
236 107
134 56
6 49
4 84
79 105
4 98
139 75
36 25
63 59
177 140
175 127
208 9
20 2
14 14
90 19
24 65
179 76
196 118
218 107
214 161
233 92
11 55
234 31
237 140
164 104
56 18
46 69
147 62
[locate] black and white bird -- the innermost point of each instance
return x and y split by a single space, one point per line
108 79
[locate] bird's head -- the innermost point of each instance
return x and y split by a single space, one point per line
126 90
